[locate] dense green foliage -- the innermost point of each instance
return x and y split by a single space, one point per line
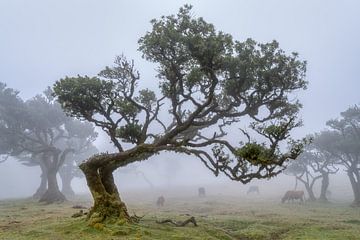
208 83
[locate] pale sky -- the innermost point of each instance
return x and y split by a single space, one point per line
43 41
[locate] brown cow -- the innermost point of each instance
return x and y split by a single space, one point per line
160 201
293 195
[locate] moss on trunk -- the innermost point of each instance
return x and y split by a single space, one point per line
108 206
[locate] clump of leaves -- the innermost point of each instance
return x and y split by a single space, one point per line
130 132
255 153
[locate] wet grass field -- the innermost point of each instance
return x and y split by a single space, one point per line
218 217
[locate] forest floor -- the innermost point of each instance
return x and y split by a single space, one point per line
218 217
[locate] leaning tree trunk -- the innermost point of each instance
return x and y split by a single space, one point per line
107 203
309 188
324 187
66 189
43 183
53 193
296 183
354 178
310 193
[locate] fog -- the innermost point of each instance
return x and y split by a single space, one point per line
44 41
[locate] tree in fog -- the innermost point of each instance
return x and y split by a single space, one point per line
313 165
208 81
36 161
70 170
11 108
342 141
323 163
83 148
39 131
301 169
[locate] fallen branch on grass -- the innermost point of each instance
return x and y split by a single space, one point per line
179 224
136 218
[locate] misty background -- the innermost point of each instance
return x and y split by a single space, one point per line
43 41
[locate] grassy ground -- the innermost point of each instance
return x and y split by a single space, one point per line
218 217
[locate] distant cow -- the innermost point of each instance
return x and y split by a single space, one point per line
293 195
160 201
253 189
201 192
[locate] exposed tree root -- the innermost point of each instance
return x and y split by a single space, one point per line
79 207
39 193
134 218
179 224
52 197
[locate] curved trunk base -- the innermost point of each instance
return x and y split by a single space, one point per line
52 197
39 193
110 210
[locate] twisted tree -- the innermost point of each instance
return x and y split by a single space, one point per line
30 160
301 169
313 165
38 132
208 83
342 141
83 148
323 163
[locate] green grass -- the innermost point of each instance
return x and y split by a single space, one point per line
217 217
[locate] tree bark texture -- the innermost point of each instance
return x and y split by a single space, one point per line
107 202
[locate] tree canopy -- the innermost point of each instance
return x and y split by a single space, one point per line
342 142
208 82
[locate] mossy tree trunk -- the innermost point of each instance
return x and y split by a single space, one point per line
108 205
52 193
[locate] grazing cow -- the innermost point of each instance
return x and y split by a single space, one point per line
201 191
293 195
160 201
253 189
